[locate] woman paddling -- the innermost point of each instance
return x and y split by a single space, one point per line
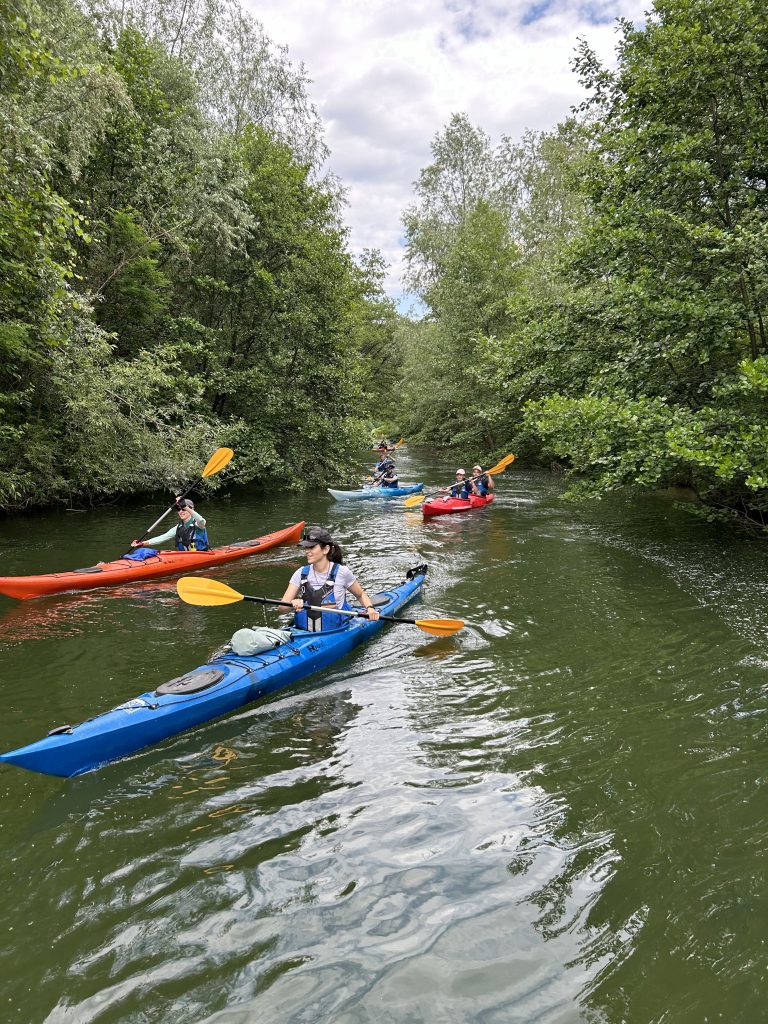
324 580
189 534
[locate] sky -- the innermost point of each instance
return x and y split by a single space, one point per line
386 76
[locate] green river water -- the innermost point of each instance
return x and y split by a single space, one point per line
558 815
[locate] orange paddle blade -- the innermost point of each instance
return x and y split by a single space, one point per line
440 627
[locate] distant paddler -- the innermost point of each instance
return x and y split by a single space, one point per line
385 463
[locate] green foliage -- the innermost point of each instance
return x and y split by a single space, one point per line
630 342
173 272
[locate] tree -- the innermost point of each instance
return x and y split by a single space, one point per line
674 250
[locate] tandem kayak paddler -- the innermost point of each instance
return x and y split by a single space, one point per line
124 570
448 506
224 684
376 492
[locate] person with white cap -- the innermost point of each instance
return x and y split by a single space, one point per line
190 534
480 483
324 580
460 489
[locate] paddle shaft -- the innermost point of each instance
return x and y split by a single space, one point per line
220 458
317 608
169 510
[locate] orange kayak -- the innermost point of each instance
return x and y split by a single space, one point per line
446 506
165 563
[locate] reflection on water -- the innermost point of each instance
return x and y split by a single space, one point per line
554 815
67 614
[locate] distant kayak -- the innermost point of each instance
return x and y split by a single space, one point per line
225 684
123 570
376 492
447 506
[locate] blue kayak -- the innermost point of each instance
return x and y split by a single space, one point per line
225 684
376 492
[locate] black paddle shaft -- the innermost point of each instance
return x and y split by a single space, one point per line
317 608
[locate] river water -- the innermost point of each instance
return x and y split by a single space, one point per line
558 815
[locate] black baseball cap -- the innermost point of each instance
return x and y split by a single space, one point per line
315 535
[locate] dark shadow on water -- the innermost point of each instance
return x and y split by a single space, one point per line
443 647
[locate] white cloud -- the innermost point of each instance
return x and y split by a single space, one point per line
387 75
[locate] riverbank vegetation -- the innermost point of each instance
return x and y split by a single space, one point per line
173 265
598 293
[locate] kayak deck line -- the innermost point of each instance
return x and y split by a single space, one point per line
225 684
123 570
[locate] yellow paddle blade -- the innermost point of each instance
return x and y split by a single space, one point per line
199 590
440 627
414 500
401 441
502 465
220 458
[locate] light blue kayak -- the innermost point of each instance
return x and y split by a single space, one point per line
225 684
376 492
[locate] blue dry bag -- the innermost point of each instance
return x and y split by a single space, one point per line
141 554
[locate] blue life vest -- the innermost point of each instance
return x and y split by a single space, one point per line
191 537
460 490
318 621
481 483
394 482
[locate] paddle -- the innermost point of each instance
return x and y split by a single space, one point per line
220 458
201 591
498 468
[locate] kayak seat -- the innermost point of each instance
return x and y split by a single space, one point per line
192 682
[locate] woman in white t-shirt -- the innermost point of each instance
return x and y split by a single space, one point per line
324 580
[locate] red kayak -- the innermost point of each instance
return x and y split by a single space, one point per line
446 506
165 563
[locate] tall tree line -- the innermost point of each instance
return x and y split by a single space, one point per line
174 272
598 293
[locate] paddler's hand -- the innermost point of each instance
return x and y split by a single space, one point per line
298 604
373 614
135 543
